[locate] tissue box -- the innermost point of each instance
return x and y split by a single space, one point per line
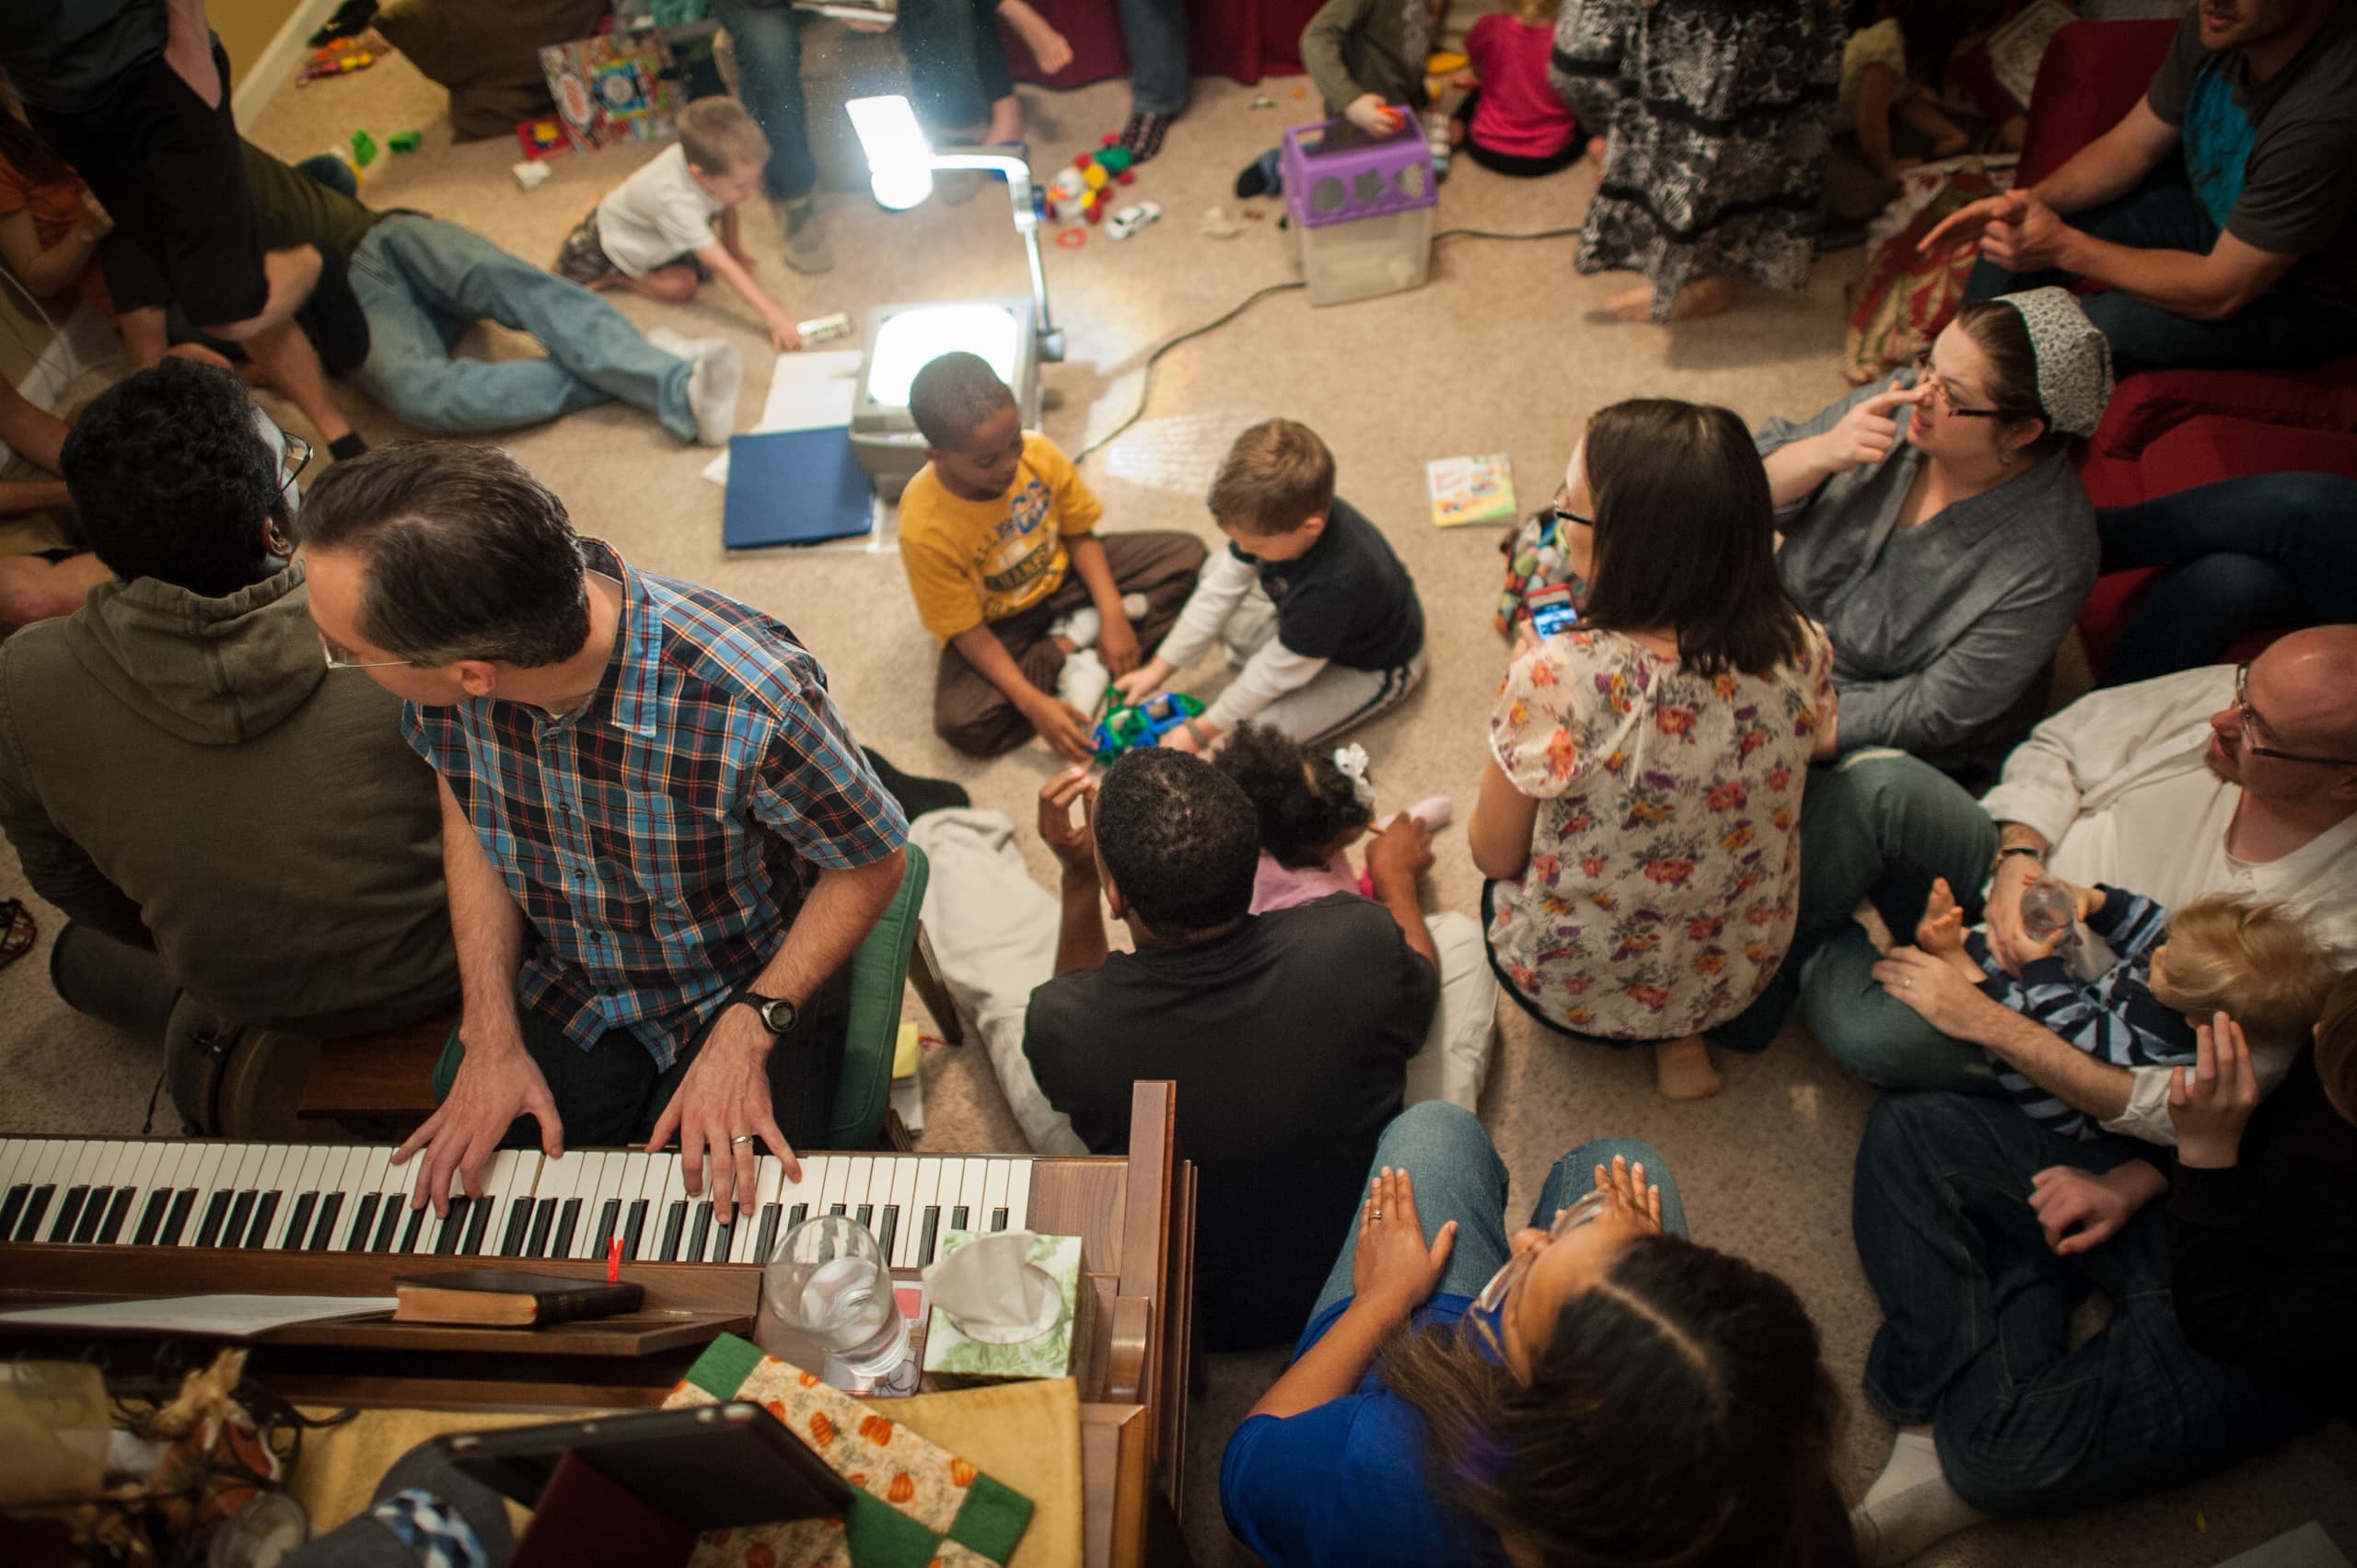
952 1359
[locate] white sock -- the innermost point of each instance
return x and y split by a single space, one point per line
1909 1505
716 369
1083 679
1433 811
1079 627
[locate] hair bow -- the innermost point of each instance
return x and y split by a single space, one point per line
1351 762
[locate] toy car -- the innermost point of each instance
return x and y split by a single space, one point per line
1131 219
1135 730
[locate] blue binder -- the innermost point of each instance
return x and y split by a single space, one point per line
794 487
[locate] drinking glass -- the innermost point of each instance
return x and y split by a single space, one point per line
829 1282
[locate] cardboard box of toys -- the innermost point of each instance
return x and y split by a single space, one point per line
1005 1304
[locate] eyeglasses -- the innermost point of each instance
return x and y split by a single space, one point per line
1926 375
1558 515
2247 718
1503 1282
343 658
291 466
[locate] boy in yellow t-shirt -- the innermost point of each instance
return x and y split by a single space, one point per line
1035 609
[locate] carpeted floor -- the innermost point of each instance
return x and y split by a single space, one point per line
1504 350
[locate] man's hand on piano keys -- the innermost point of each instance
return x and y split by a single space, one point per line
495 1085
722 1098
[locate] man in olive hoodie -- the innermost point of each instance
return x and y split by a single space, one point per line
182 772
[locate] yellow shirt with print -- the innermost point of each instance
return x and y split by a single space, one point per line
969 562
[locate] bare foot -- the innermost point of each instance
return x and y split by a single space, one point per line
1682 1068
1941 928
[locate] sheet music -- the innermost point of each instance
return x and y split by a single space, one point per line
226 1316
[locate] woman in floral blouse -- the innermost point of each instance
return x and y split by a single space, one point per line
1640 817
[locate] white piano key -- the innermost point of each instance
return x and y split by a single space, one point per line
360 1185
139 1179
215 1168
343 1163
652 1183
769 1178
973 1191
586 1183
994 1195
858 1185
1018 1195
13 1152
806 1189
305 1171
629 1185
558 1179
55 1154
625 1174
831 1190
499 1181
275 1174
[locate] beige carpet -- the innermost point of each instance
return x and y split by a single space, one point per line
1505 349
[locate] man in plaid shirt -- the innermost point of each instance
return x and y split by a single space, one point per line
661 843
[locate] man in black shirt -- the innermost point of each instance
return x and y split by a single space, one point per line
1288 1034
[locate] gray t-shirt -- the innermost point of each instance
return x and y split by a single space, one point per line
2272 159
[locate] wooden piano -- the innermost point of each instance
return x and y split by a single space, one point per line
100 1219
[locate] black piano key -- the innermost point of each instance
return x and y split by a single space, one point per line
699 1232
176 1221
216 1209
416 1226
454 1227
69 1209
13 1205
998 1219
889 1228
94 1210
957 1217
118 1215
242 1214
36 1205
839 1209
765 1237
543 1219
323 1231
478 1225
674 1219
610 1220
389 1223
634 1227
932 1231
519 1229
865 1215
364 1223
568 1220
151 1218
265 1210
724 1238
797 1215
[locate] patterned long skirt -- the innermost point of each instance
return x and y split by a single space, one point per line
1718 118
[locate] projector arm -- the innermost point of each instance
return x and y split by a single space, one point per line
1018 175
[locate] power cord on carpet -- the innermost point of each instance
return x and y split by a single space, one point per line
1145 388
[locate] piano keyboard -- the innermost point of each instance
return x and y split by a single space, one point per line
351 1198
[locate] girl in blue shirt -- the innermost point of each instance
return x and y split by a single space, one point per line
1613 1393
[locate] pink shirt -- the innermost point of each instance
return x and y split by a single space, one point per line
1519 114
1276 887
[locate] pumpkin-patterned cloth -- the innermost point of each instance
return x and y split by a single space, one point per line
1664 860
913 1504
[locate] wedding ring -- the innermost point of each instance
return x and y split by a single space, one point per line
1906 986
742 1138
1374 1214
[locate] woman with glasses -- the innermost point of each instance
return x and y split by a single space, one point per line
1936 530
1639 817
1595 1388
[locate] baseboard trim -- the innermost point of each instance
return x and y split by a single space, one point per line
280 60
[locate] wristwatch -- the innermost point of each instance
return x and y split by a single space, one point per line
2034 853
776 1014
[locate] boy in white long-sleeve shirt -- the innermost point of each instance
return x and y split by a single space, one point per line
1308 598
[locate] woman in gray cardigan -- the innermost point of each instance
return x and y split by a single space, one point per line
1937 530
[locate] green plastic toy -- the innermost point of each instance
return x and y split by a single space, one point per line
1125 728
405 141
363 148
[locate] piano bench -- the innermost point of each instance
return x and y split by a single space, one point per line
379 1085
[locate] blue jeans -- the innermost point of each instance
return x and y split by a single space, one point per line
1976 1322
1458 1177
769 71
2242 556
2282 330
957 66
423 282
1880 825
1155 34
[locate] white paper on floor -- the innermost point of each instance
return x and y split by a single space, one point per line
807 391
